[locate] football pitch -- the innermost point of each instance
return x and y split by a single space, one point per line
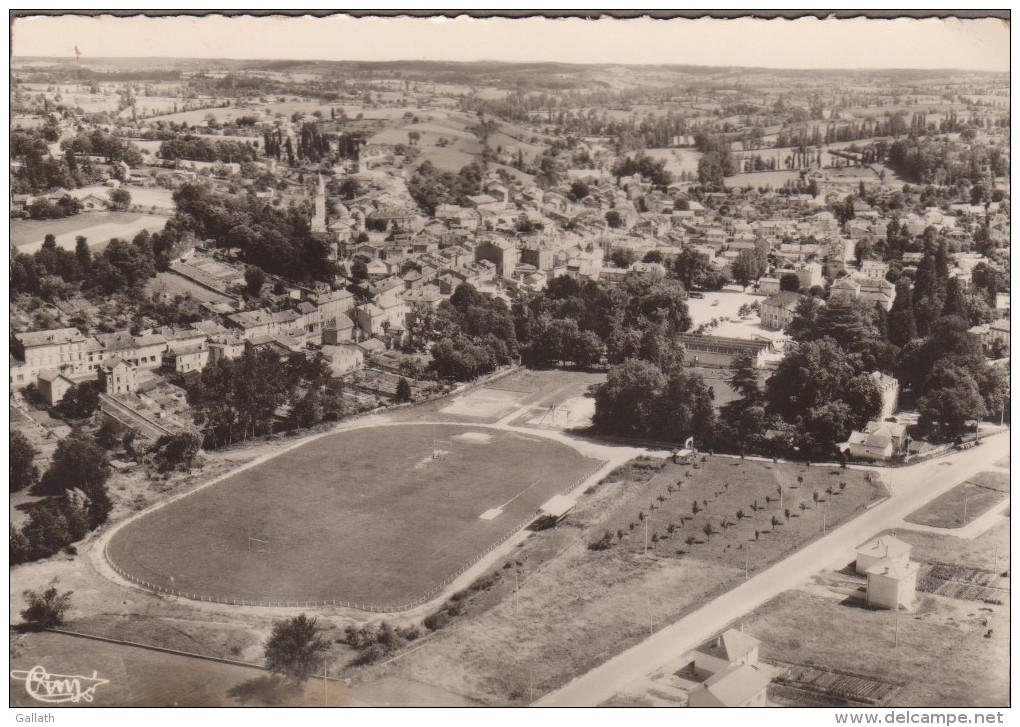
375 516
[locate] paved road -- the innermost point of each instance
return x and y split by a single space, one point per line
911 487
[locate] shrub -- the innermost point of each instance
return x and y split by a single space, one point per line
603 543
436 621
409 633
484 583
369 655
46 609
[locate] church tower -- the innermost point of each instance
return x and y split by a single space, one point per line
319 218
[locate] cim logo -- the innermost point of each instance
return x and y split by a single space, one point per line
58 688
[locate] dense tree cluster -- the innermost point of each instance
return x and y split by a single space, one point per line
750 265
54 272
197 149
928 161
111 147
622 320
716 160
431 187
39 170
821 390
473 333
654 170
21 469
279 241
44 209
645 400
824 392
79 502
695 272
234 399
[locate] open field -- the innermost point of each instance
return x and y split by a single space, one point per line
677 160
761 179
366 516
963 503
141 678
98 227
722 487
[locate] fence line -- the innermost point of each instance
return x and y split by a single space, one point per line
371 608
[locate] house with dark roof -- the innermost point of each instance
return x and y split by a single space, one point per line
779 309
53 386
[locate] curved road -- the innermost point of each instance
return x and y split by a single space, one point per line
911 487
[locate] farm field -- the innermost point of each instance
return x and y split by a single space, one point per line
98 227
722 487
963 503
366 516
142 678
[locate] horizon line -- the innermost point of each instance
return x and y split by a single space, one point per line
70 57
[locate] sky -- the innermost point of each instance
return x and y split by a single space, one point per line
802 43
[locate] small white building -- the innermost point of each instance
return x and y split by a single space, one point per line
879 441
881 548
892 584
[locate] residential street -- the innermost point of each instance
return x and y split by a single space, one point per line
911 487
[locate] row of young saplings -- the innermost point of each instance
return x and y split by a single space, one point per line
608 538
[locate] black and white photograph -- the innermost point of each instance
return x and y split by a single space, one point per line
480 359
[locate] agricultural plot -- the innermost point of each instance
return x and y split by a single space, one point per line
373 516
804 685
963 582
738 513
963 503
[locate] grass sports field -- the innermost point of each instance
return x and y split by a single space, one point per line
366 516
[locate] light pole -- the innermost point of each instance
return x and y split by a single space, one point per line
517 593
